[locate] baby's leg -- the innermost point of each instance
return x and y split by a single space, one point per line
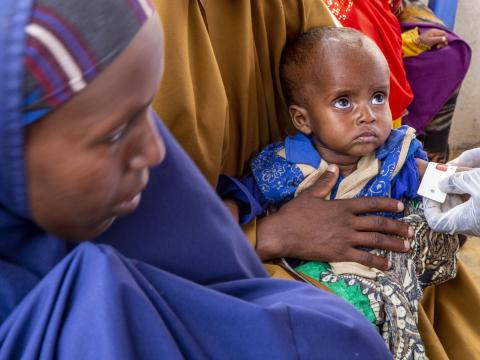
434 254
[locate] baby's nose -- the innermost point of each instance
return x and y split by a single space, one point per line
366 115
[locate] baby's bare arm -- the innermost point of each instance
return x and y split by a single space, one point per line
422 166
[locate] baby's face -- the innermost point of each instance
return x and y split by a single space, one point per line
348 111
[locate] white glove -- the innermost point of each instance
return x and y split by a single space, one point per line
469 158
454 217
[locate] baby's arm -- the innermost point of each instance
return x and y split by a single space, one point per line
272 180
242 197
422 166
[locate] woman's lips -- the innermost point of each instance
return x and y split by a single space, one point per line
127 206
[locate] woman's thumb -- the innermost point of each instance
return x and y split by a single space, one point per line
326 182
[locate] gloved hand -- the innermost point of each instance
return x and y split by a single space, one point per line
469 158
453 216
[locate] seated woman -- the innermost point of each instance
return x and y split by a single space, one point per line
228 105
173 280
435 70
339 105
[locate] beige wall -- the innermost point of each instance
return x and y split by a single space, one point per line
466 122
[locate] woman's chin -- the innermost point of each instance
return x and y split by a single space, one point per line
83 232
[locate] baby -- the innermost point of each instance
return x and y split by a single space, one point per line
336 84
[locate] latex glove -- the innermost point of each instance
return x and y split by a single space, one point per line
469 158
453 216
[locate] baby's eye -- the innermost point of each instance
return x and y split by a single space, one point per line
378 99
342 103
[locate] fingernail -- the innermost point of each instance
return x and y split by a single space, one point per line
406 245
410 232
389 265
400 206
332 168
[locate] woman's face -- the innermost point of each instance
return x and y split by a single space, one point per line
88 161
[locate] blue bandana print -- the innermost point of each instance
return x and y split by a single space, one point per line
278 177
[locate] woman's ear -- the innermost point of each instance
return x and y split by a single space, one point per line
300 119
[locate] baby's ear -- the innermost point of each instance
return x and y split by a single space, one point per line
300 119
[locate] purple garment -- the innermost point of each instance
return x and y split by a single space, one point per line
434 75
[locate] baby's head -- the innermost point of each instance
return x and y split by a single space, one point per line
336 84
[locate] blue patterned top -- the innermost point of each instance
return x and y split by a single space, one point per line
274 179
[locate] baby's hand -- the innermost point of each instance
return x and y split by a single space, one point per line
434 37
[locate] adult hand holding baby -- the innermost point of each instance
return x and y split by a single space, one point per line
456 216
312 228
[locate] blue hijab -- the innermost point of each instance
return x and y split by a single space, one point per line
176 279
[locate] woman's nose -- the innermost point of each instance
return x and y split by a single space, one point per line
151 148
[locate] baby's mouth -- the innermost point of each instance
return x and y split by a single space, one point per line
367 137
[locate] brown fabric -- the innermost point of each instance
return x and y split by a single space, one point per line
432 343
317 283
220 97
276 270
451 318
250 231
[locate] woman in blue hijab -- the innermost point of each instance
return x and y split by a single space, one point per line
175 278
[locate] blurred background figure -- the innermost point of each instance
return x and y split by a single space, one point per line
446 10
436 61
222 100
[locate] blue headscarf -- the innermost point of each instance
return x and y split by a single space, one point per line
176 279
63 53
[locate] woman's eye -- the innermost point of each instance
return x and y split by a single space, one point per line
117 135
378 99
342 103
